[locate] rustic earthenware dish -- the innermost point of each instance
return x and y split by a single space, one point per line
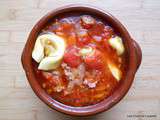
132 48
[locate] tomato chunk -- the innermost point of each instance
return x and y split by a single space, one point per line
87 21
108 32
83 38
71 57
83 41
95 61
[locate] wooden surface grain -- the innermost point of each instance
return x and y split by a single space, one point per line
17 100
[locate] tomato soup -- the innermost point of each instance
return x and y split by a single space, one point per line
79 60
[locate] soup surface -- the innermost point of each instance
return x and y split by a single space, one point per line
82 62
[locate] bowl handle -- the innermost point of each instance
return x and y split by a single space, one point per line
138 53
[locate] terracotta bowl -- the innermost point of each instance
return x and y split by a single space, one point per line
132 48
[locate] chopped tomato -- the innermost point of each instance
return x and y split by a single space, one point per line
97 29
87 21
83 38
108 32
83 41
62 27
71 57
67 26
95 61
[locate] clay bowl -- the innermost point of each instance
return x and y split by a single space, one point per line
132 48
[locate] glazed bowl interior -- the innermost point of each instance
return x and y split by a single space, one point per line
124 84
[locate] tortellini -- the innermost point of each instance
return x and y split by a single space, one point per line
48 51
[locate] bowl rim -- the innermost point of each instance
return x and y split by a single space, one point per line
77 111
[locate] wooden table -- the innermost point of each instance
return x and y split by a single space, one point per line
17 100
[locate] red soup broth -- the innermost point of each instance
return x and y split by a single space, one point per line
82 81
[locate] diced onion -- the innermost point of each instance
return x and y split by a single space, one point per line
86 51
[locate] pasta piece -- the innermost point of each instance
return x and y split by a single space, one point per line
115 71
117 44
48 51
